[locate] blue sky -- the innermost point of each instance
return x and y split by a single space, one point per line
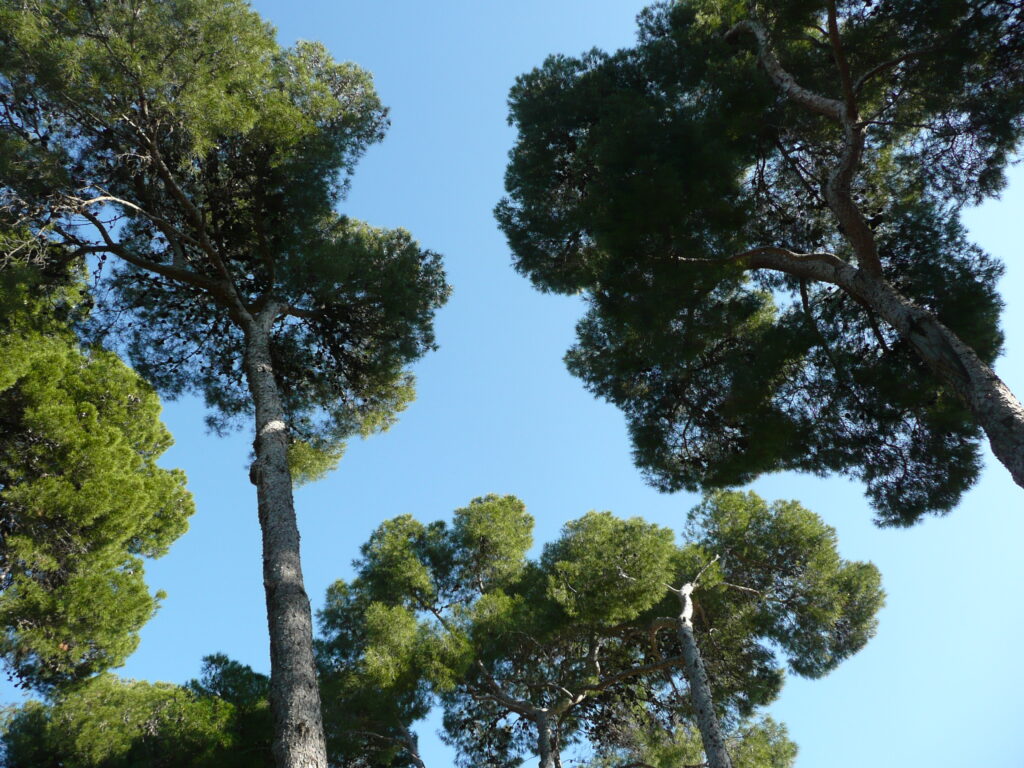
497 412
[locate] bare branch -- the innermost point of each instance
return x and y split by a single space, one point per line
706 565
741 588
165 226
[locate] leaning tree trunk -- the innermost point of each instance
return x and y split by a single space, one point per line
294 696
700 689
994 407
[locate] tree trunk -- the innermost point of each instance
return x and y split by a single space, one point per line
294 696
546 743
990 401
412 747
700 689
994 407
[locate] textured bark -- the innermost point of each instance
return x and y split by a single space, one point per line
994 407
412 747
700 689
294 696
546 743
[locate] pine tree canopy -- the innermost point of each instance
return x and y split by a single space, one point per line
761 203
526 653
211 170
82 499
761 743
220 720
200 163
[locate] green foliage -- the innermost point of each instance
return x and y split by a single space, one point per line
375 669
604 570
221 720
638 175
225 181
810 604
458 613
82 499
490 538
309 463
760 743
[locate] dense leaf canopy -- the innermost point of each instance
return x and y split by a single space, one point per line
211 170
220 720
654 178
82 499
582 639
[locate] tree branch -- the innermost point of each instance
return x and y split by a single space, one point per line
837 192
165 226
784 81
841 64
177 274
626 674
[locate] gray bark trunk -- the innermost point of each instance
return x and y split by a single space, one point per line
412 747
994 407
546 743
700 689
294 696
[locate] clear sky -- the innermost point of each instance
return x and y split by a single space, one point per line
496 412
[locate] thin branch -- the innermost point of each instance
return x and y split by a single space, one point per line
671 661
863 79
841 64
164 225
194 215
706 565
808 187
174 273
770 257
741 588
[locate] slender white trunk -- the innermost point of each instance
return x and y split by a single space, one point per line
700 689
294 696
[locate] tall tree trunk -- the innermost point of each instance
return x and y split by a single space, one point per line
294 696
412 747
700 689
546 743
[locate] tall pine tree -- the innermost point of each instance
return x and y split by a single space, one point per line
179 143
761 202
